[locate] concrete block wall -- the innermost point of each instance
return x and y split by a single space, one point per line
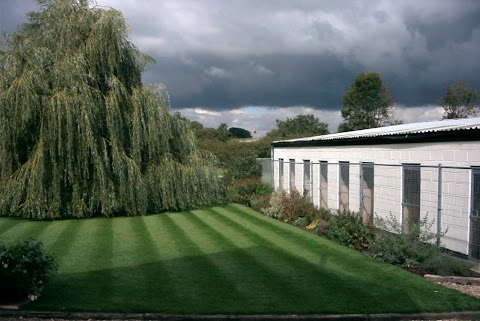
456 183
456 200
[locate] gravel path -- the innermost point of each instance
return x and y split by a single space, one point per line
473 290
468 285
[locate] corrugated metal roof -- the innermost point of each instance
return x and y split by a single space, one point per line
403 129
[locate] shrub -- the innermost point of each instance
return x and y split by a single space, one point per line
24 269
313 225
324 214
348 229
301 221
242 165
290 206
413 249
293 206
260 202
323 227
275 207
245 191
392 245
446 264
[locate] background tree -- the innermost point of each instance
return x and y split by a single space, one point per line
459 101
222 132
367 104
300 126
80 134
196 126
242 164
238 158
239 132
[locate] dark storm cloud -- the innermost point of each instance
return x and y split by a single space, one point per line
314 51
221 55
439 32
276 80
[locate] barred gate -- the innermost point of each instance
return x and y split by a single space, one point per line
411 196
475 216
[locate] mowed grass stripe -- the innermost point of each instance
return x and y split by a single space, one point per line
203 284
176 268
190 262
137 266
23 230
264 252
311 246
129 258
158 286
305 279
249 273
99 276
351 265
288 232
353 268
373 281
173 266
66 235
248 266
6 224
84 280
273 238
162 236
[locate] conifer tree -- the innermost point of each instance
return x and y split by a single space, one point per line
80 134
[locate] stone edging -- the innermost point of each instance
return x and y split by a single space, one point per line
16 314
453 279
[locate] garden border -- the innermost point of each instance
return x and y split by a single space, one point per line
26 315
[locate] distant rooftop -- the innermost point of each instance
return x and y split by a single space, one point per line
446 125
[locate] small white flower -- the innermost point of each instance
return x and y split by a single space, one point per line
32 297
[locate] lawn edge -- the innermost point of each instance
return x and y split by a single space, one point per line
465 315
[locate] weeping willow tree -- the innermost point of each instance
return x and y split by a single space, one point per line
80 134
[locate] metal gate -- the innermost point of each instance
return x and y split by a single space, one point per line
474 248
343 191
366 192
411 196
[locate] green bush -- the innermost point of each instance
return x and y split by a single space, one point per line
414 248
24 269
446 264
323 227
260 202
290 206
293 206
301 221
242 166
348 229
275 208
392 245
324 214
245 191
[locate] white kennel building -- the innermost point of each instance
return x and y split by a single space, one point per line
409 171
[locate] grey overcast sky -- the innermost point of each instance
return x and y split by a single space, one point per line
249 62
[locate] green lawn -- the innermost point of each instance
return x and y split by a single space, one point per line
226 259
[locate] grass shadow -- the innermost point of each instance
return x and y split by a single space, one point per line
315 290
